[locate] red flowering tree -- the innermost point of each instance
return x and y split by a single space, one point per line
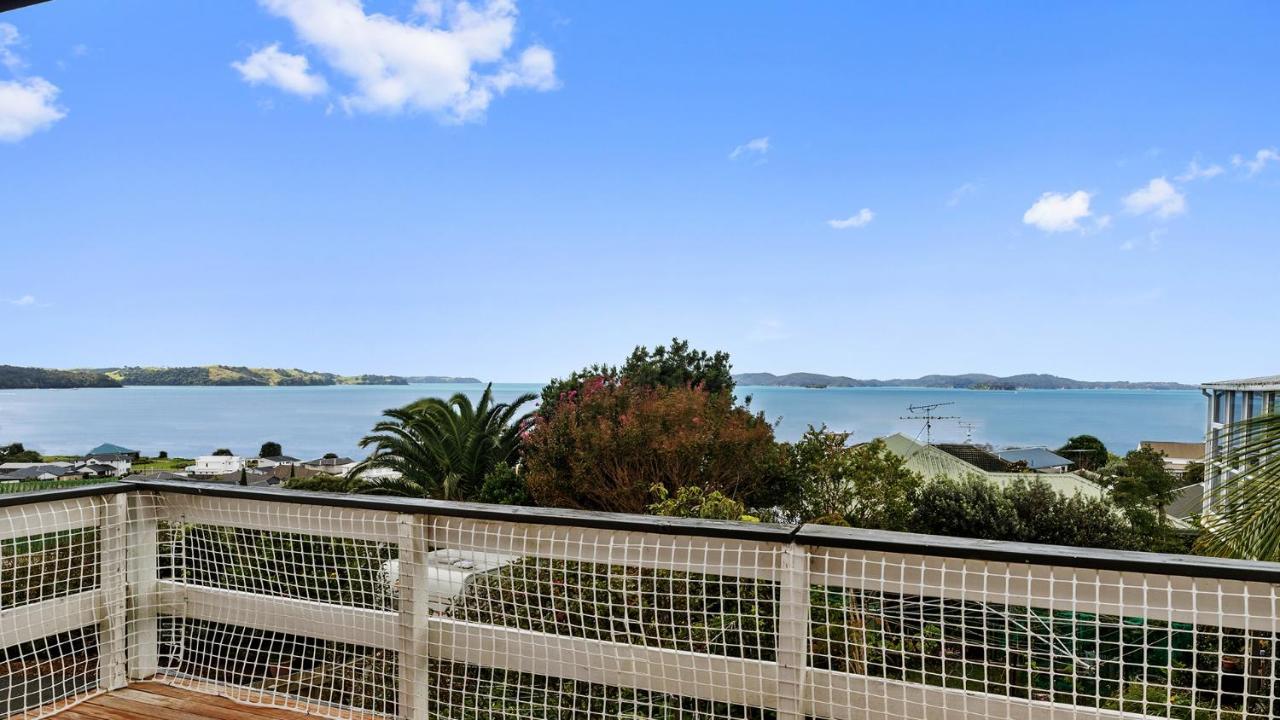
609 442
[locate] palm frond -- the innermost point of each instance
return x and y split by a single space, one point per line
1244 520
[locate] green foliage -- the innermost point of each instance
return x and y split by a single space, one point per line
503 486
1086 451
444 449
270 449
1244 522
163 455
1140 480
13 377
324 483
693 502
17 453
606 446
1192 475
222 452
1023 511
330 456
864 485
673 367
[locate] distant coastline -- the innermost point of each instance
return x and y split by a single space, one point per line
970 381
12 377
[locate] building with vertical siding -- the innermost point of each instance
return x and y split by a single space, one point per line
1232 401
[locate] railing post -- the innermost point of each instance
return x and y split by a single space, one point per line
412 604
113 588
793 632
141 561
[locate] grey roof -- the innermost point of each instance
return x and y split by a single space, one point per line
1187 501
110 457
158 476
1266 382
280 458
36 471
330 462
1035 458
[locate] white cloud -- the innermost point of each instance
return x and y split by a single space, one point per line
960 193
26 103
1158 196
286 71
26 107
1195 172
863 217
1150 242
758 146
1259 161
1058 212
24 301
448 57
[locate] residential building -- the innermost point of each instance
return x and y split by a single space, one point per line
1177 455
1231 401
209 465
43 472
1038 459
266 463
959 461
331 465
120 463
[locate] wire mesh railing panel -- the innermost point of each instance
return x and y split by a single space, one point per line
919 637
555 621
50 567
288 617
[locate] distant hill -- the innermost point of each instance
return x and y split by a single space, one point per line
970 381
25 378
441 379
240 376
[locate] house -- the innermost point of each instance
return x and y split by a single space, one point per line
959 461
112 449
1177 455
120 463
267 463
1231 401
331 465
100 470
210 465
9 467
43 472
1038 459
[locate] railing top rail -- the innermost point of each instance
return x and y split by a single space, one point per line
69 493
813 535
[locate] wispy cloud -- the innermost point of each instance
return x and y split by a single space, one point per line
768 329
449 58
1258 162
1158 196
863 217
758 147
960 193
23 301
1195 172
1059 212
1150 241
27 104
283 70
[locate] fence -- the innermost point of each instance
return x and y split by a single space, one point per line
347 606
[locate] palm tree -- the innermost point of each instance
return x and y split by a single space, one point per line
1244 522
443 449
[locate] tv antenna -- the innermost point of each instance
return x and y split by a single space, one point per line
925 413
968 431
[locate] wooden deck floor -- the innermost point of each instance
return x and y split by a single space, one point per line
154 701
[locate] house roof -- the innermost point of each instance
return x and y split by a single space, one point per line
330 462
36 471
1266 382
1176 450
279 458
1187 501
1036 458
976 456
931 462
112 449
109 457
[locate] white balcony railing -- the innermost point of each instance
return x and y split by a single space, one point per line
348 606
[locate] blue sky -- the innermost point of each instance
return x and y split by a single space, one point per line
515 190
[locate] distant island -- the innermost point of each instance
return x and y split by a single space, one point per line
970 381
12 377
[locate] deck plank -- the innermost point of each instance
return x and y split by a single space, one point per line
156 701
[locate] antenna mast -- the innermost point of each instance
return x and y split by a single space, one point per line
968 431
925 413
